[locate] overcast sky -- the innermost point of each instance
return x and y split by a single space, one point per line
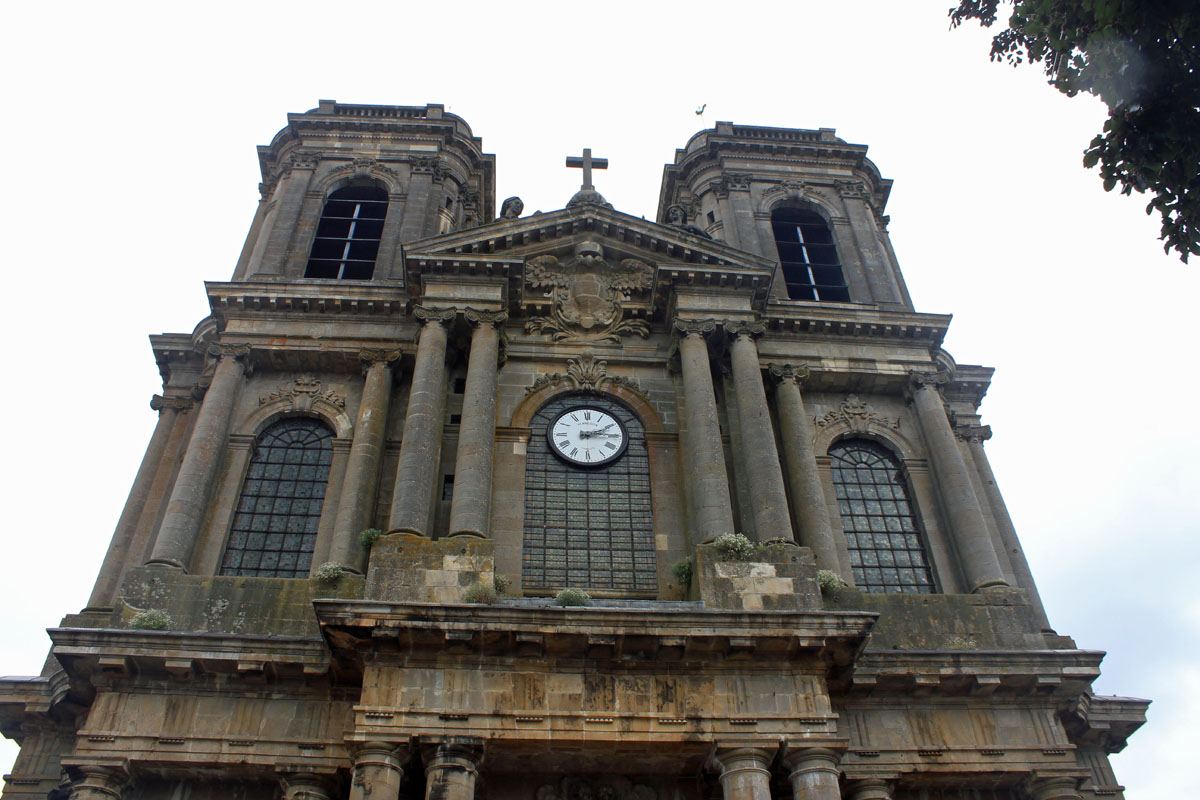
130 139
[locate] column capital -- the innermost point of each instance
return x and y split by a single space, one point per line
158 403
920 378
370 356
1054 787
98 781
300 785
794 373
236 352
973 433
461 752
438 315
809 759
687 327
737 328
478 317
869 789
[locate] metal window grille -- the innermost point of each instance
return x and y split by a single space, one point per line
275 525
348 234
588 528
808 256
887 550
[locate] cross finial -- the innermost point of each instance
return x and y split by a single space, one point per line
587 163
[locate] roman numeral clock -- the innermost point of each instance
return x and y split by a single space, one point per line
585 436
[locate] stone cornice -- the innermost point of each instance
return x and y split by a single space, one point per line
863 321
1057 673
324 298
661 633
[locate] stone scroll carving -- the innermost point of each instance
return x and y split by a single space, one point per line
586 373
606 788
588 293
856 415
303 393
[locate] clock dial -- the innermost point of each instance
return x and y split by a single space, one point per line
587 436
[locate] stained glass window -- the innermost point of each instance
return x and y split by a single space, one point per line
590 528
275 525
887 550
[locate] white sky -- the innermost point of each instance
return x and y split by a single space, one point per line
130 137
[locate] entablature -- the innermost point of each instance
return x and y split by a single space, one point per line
975 673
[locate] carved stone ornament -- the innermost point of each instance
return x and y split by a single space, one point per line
158 403
934 379
374 355
741 327
235 351
429 165
303 393
598 788
485 317
438 315
796 373
973 433
586 373
700 327
588 293
856 415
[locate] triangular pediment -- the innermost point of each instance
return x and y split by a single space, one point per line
567 251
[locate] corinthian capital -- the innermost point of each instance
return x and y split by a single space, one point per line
687 327
158 403
485 317
796 373
973 433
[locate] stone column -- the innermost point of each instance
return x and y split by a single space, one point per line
708 482
357 501
452 768
100 783
378 769
804 478
869 789
744 774
412 493
975 436
471 507
770 506
814 774
306 786
193 486
971 539
291 193
105 589
1054 788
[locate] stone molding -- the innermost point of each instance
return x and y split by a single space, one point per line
856 416
586 373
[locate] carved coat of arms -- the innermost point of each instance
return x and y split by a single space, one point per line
587 295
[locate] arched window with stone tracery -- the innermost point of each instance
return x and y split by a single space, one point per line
275 525
588 527
887 549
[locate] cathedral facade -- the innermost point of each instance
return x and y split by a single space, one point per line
563 506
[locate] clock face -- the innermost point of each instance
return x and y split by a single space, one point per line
587 437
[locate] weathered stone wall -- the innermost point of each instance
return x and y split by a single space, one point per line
411 569
776 578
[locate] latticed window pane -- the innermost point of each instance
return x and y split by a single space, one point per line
808 256
275 527
886 551
348 234
588 528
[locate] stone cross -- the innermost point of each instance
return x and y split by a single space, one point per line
587 163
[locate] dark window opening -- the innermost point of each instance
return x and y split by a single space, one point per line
448 487
887 550
711 218
275 526
456 419
808 257
348 234
460 385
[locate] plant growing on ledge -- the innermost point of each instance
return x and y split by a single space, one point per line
572 597
734 547
329 572
151 619
480 592
829 582
501 582
682 570
368 538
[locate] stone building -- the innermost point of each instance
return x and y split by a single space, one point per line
579 399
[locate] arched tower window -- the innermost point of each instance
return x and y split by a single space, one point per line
348 234
808 256
887 552
275 526
588 527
